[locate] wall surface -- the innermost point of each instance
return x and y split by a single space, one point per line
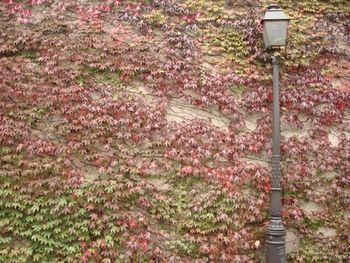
140 131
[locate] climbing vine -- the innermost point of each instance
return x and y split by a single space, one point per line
99 165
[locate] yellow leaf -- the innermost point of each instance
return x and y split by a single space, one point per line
257 244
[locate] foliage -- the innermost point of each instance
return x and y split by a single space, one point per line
230 43
94 170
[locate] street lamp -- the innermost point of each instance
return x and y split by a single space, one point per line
275 24
275 31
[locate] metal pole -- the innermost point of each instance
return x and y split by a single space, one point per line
276 233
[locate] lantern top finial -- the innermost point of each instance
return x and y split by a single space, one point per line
274 12
273 6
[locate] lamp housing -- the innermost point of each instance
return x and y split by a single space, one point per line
275 27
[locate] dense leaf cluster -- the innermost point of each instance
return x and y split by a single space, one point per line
95 169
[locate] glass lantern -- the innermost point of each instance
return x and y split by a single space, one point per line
275 27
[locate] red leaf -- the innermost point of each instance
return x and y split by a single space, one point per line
186 170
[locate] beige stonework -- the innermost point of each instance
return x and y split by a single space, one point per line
288 131
311 207
160 183
327 232
329 175
292 241
333 138
260 160
251 121
140 89
179 110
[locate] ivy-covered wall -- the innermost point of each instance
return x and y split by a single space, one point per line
140 131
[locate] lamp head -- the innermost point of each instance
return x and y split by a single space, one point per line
275 27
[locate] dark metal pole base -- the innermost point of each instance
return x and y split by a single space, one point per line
275 241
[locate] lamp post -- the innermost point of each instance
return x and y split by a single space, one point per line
275 31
